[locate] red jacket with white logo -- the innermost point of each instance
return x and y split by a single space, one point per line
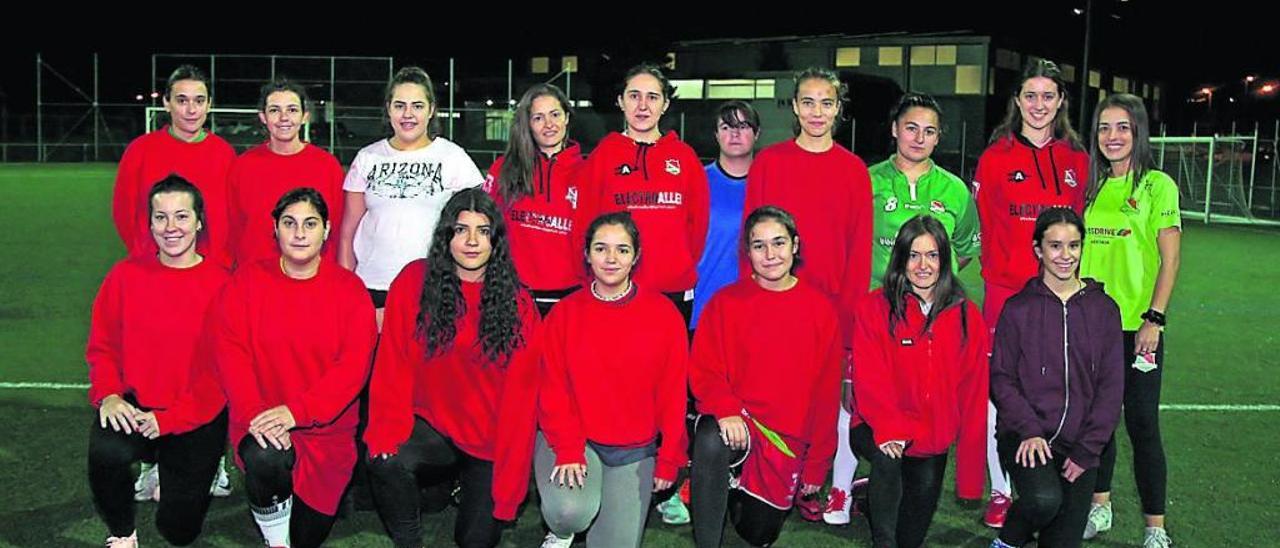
616 374
664 187
258 179
540 226
784 372
487 409
1015 181
156 155
928 389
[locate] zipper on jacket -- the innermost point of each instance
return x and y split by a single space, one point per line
1066 376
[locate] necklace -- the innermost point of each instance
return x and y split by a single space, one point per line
619 296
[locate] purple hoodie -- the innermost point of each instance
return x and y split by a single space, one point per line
1057 370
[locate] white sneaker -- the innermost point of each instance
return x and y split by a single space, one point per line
837 510
552 541
1099 520
130 541
1156 537
221 482
147 486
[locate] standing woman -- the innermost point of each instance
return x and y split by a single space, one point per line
1133 246
1035 161
532 184
264 173
1056 376
396 187
154 392
659 180
293 339
828 190
920 383
765 371
454 386
614 377
181 147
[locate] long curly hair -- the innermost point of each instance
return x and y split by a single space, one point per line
442 304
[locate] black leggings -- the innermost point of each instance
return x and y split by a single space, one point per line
684 307
1142 421
187 464
1047 503
756 522
268 480
902 494
429 456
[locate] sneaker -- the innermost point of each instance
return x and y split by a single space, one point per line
997 510
673 511
221 482
147 486
997 543
837 510
809 507
1099 520
552 541
1156 537
130 541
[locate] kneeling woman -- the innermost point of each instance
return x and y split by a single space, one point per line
920 383
454 383
294 336
765 371
1057 379
154 392
614 372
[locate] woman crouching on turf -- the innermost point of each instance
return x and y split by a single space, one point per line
614 376
154 391
768 390
1057 374
920 383
453 389
294 336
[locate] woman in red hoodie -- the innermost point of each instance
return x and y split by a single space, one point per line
293 339
612 396
659 180
1035 162
1057 377
453 389
768 409
153 391
920 381
533 186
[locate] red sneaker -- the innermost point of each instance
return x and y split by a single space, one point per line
809 507
997 509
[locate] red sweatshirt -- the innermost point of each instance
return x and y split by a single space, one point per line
541 226
664 187
615 374
156 155
829 194
146 339
258 179
927 389
1015 181
305 344
486 409
777 356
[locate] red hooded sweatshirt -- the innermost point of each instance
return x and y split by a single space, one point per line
1015 181
664 187
928 389
486 409
777 356
540 226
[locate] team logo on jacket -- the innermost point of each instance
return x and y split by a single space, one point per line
673 166
1070 177
1017 176
624 169
891 204
572 196
937 207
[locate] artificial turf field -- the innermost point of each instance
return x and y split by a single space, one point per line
57 242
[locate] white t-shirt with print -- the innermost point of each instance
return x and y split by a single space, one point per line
404 192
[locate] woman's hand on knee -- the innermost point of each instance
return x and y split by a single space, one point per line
273 421
810 489
120 414
733 430
893 449
575 475
1071 471
1031 450
660 484
148 425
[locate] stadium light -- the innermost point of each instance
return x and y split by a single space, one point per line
138 97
